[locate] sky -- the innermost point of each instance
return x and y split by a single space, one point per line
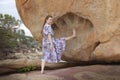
9 7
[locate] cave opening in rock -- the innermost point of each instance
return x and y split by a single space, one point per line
63 27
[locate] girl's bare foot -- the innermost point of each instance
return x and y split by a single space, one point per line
42 72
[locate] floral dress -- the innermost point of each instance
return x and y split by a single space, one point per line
52 56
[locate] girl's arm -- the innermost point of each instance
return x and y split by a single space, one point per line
50 39
72 36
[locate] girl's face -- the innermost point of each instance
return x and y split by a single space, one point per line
49 20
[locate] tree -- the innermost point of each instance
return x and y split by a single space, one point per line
26 40
8 21
8 39
13 41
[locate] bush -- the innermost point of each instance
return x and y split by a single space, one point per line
7 39
27 69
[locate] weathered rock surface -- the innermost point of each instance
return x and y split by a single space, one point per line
20 60
96 21
90 72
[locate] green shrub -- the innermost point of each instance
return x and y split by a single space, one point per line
27 69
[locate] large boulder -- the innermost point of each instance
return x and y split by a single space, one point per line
96 21
109 51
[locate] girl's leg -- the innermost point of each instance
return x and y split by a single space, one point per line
42 66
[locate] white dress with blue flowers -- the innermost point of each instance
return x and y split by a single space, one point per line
59 44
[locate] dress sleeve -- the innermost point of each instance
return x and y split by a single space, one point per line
48 30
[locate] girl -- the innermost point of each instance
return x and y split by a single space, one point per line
52 48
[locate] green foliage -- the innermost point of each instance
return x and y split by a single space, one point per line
8 21
27 40
7 38
27 69
1 16
10 39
